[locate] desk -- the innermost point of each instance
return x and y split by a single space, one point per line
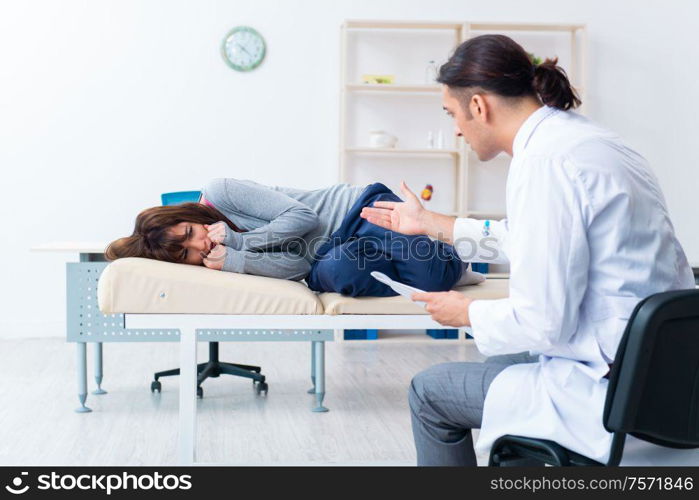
86 323
88 252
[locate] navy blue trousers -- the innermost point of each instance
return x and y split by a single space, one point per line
358 247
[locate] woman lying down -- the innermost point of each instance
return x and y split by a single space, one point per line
244 227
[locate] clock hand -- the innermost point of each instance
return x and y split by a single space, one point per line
243 49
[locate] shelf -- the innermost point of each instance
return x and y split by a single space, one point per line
407 152
470 175
524 27
492 214
497 276
437 25
406 25
392 87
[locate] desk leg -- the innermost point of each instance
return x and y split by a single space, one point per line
188 396
319 368
82 377
98 369
312 390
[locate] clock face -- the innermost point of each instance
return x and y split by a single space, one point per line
243 48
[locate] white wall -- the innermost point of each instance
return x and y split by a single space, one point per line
106 104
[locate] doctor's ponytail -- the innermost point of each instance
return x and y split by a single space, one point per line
499 65
552 86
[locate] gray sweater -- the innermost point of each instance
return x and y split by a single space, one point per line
283 226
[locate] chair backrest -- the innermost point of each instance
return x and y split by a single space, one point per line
177 197
653 389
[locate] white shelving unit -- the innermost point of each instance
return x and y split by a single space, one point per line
410 107
373 87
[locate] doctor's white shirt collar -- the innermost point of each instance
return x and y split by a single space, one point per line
529 127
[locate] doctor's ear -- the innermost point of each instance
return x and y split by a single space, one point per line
478 106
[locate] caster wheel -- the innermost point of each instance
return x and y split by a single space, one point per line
261 387
156 386
200 392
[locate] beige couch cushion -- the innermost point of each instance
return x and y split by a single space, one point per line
335 303
135 285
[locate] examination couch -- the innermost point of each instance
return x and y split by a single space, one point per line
161 301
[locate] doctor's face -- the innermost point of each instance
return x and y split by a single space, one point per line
471 121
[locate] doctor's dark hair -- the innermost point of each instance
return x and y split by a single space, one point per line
499 65
151 238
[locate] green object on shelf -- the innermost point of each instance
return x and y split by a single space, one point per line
536 60
379 79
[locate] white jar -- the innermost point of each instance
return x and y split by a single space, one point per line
431 73
382 139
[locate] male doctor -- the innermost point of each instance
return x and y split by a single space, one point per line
587 236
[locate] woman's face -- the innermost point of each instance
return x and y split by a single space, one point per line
197 245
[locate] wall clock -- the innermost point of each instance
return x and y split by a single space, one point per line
243 48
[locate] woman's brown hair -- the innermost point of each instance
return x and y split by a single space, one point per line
498 64
152 238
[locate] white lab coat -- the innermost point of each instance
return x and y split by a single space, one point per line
587 236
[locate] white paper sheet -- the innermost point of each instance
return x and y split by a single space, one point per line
400 288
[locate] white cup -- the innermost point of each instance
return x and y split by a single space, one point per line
382 139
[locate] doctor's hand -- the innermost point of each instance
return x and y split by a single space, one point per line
446 308
216 257
402 217
217 231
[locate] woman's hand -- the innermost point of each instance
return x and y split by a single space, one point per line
217 231
216 257
446 308
402 217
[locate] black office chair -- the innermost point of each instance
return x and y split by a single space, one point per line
653 391
212 368
215 368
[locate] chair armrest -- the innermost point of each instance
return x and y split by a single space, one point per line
508 448
511 448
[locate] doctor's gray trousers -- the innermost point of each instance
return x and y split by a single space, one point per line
446 402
